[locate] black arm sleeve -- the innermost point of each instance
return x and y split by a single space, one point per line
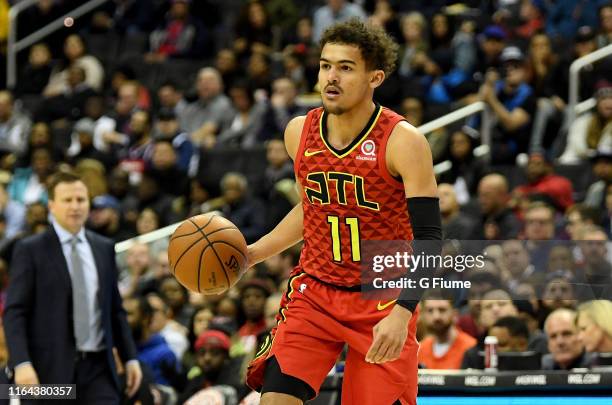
426 224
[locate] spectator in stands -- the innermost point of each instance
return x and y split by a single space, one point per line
171 97
384 15
35 75
259 73
173 333
497 220
513 103
153 351
82 147
198 196
176 297
148 194
69 103
167 128
412 52
518 263
597 266
334 12
14 127
467 170
76 55
125 74
40 137
605 24
576 217
566 350
532 14
546 77
591 131
278 185
565 16
558 292
455 224
511 333
282 108
28 184
602 170
253 297
226 62
13 212
164 167
594 327
124 17
539 229
138 151
215 367
253 30
491 44
248 214
445 345
495 304
135 279
211 113
561 259
110 133
246 127
180 36
105 218
543 182
481 282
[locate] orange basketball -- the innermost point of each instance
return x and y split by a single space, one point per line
207 254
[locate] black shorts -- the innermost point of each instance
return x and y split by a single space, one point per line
277 381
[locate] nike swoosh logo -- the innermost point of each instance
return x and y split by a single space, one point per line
308 153
380 306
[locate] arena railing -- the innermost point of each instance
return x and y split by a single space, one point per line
574 79
14 46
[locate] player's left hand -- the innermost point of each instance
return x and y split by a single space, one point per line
389 336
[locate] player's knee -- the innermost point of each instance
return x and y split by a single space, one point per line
276 398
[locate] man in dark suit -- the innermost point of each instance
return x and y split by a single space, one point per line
63 313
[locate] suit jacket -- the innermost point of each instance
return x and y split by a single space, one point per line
38 317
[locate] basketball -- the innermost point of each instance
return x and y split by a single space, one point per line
207 254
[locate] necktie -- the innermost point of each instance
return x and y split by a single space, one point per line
80 303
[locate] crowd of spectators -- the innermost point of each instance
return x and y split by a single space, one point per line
172 108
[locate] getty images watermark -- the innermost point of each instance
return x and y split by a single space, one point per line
410 264
554 270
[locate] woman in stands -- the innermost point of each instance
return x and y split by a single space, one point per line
595 326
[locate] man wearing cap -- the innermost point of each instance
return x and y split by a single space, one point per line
215 365
106 218
491 44
512 101
593 131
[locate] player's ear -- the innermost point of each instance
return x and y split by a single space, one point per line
376 78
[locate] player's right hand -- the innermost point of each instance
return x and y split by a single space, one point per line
25 374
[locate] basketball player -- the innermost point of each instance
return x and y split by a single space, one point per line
364 174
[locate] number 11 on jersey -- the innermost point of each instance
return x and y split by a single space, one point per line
353 225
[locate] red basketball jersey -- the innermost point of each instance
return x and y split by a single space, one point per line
348 196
